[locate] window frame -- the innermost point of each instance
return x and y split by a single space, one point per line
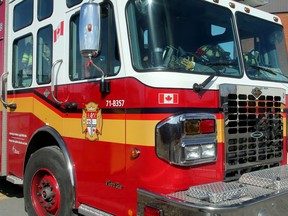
38 9
71 3
111 46
22 14
38 56
16 62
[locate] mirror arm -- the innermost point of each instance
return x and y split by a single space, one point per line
104 84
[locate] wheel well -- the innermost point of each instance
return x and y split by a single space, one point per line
39 140
47 136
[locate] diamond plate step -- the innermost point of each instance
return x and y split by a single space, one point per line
275 178
218 191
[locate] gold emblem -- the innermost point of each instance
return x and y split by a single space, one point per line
92 121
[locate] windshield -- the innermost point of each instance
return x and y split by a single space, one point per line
194 37
198 37
263 48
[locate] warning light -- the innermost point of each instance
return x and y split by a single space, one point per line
135 153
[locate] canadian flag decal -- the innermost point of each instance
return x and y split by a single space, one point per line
59 31
168 98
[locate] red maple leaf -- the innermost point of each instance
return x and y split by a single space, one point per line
168 98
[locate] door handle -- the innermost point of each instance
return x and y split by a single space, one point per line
53 77
11 105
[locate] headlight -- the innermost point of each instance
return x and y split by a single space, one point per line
187 139
199 151
192 152
208 150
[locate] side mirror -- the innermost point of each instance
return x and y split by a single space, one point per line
89 29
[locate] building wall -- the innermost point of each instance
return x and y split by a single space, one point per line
275 6
279 8
284 19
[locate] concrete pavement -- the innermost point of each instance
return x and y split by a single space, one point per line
11 199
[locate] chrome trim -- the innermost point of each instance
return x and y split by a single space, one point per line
89 211
171 139
14 179
253 135
272 204
5 103
1 89
53 77
257 134
3 168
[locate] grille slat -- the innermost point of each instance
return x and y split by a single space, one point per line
253 128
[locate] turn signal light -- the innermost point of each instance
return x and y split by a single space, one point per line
199 126
207 126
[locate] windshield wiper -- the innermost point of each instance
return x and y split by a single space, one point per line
221 64
198 87
267 69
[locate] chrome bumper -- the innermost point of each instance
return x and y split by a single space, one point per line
260 193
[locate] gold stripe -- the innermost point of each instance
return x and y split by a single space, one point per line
220 130
141 132
138 132
70 127
284 126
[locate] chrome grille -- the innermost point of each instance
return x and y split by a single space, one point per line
253 128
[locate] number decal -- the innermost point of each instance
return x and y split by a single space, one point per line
115 103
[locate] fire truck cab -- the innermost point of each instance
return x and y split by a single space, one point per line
144 107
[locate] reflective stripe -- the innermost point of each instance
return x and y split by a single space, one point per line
27 59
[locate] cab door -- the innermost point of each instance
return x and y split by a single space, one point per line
99 152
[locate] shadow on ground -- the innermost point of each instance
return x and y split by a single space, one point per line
10 190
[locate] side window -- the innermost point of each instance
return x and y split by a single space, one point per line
23 14
45 9
44 55
71 3
108 58
22 62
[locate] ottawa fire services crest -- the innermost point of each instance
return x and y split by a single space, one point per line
92 121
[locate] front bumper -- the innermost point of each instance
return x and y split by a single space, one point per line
262 193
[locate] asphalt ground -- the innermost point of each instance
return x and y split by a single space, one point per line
11 199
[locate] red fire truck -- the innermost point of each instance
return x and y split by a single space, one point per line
144 107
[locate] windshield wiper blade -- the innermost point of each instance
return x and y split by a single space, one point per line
267 69
221 64
198 87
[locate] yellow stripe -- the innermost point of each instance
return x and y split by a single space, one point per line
141 132
220 130
112 131
284 126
